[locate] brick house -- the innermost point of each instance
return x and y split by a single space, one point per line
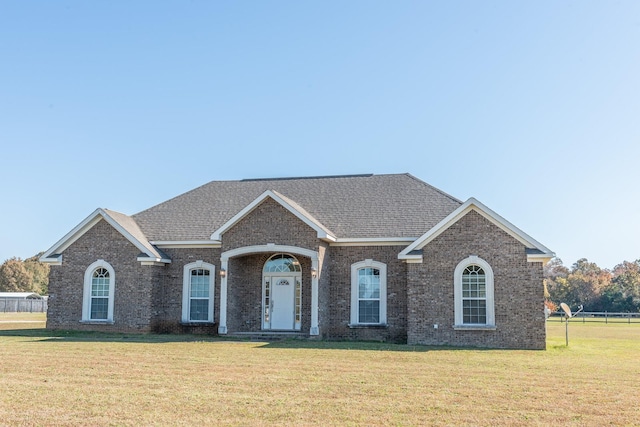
360 257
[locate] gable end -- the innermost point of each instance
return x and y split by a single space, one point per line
536 251
149 254
322 232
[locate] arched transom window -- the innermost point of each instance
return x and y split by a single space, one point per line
282 263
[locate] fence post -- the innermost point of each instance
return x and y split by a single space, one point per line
606 317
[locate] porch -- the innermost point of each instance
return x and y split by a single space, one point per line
269 289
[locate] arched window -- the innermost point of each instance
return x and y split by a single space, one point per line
197 292
98 296
474 295
368 293
473 287
282 263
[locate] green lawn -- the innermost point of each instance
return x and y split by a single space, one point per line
95 379
22 320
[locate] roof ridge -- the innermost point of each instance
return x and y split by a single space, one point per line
365 175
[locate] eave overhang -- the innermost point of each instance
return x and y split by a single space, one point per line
181 244
372 241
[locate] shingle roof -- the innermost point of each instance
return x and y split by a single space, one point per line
356 206
129 225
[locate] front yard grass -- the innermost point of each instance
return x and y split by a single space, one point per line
11 321
58 378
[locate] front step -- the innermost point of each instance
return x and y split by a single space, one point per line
269 335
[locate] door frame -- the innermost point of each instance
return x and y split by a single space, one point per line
296 303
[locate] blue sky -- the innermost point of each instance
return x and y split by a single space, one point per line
531 107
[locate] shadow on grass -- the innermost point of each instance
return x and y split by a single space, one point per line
358 345
45 335
89 336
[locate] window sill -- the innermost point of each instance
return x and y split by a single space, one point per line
368 326
474 327
97 322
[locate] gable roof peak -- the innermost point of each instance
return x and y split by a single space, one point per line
290 205
124 224
542 252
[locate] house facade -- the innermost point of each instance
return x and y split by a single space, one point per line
360 257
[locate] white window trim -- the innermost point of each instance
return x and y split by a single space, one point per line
368 263
457 287
186 287
86 300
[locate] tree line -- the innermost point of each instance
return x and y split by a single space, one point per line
595 288
29 275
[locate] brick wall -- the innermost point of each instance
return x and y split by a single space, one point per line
270 223
340 294
518 289
418 295
244 289
133 283
167 315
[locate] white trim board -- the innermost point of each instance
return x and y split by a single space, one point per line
182 244
270 248
373 241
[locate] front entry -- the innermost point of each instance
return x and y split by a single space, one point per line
281 294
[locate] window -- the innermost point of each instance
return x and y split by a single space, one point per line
197 292
282 263
98 296
473 287
368 293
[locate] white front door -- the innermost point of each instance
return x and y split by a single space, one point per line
282 302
